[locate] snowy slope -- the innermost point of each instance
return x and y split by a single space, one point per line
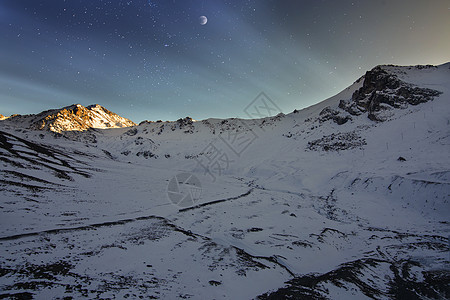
344 199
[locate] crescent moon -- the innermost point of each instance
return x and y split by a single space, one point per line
203 20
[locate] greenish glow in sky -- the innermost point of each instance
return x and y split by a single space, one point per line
154 60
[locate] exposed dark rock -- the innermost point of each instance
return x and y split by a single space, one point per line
376 79
139 141
215 283
330 114
184 122
254 229
350 108
132 132
146 154
400 284
422 67
336 142
187 123
383 91
108 154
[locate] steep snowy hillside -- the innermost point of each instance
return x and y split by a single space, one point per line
347 199
71 118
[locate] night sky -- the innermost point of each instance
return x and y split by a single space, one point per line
153 59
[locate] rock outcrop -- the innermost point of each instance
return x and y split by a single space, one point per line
383 91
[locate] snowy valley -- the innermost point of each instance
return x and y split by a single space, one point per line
347 199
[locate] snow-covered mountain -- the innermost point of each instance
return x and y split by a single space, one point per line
72 118
346 199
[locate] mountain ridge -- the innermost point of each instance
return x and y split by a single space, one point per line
372 98
74 117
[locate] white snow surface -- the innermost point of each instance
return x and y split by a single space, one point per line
88 213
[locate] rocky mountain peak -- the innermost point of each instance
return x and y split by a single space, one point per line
383 90
74 117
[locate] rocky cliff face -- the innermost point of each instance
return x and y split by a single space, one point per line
383 91
74 118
